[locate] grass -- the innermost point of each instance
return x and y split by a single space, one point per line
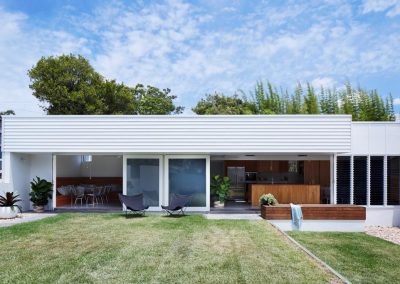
108 248
357 256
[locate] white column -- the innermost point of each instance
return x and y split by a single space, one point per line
385 176
54 172
6 167
368 180
124 178
333 179
351 179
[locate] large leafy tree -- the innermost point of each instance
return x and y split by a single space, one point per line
152 100
68 84
221 104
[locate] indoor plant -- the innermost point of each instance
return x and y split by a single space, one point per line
220 188
42 191
268 199
8 205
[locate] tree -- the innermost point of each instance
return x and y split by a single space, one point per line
362 104
68 84
221 104
311 101
152 100
297 100
7 112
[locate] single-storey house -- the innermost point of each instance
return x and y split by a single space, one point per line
307 159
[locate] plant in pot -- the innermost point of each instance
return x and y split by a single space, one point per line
41 192
8 205
268 200
220 188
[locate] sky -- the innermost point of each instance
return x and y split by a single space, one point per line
200 47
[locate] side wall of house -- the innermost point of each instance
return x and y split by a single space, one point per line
365 170
21 169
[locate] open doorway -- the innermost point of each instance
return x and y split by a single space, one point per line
88 181
291 179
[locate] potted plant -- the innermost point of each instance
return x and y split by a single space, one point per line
220 188
268 200
42 191
8 205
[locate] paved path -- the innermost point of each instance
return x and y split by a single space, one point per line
212 216
25 217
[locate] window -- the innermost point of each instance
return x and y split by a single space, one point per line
360 180
393 184
376 176
292 166
343 180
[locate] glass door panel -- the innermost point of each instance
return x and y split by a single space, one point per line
143 176
188 177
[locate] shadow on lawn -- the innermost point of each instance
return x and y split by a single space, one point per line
133 216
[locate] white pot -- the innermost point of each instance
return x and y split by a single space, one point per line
38 208
8 212
218 204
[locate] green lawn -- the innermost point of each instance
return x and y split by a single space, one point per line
357 256
94 248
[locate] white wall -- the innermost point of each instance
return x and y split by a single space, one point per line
178 134
101 166
375 138
20 177
41 165
68 166
383 216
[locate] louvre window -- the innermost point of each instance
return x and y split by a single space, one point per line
360 180
376 177
343 180
393 185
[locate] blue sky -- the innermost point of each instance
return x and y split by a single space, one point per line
198 47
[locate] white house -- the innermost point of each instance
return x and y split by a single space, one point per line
314 158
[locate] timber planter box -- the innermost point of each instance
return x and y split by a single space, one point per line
315 212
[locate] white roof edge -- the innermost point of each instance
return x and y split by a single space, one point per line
184 116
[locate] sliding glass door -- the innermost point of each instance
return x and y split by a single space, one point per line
144 175
189 175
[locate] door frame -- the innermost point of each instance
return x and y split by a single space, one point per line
166 178
160 176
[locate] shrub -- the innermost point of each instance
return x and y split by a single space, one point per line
10 200
41 192
268 199
220 187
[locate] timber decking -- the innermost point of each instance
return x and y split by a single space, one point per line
315 212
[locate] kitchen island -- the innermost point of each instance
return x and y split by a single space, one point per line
285 193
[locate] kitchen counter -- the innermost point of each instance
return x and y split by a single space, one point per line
285 193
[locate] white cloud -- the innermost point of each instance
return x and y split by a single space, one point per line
326 82
392 7
396 101
20 48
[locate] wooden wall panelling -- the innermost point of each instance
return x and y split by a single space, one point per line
286 193
316 212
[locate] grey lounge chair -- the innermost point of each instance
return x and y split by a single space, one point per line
177 203
133 203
